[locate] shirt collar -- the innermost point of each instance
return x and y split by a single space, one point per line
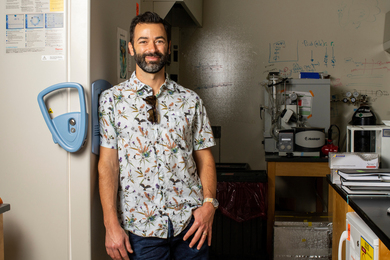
136 84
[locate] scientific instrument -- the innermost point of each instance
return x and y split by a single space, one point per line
299 106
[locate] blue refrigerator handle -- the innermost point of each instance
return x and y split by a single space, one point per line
98 87
69 130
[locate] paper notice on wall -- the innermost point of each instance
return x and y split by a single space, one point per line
35 26
56 5
305 100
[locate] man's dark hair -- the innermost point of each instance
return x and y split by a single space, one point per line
149 17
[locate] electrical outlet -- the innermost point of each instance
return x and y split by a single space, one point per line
216 131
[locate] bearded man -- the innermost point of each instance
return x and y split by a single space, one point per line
157 177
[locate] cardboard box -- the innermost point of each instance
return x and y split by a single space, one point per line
303 237
351 161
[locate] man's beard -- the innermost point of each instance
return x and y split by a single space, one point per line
151 67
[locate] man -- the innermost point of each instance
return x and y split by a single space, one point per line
155 159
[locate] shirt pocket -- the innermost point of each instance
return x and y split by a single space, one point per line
179 131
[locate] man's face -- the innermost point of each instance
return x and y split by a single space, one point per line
151 48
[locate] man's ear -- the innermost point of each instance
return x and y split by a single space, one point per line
169 47
131 49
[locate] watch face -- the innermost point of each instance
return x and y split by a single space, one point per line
213 201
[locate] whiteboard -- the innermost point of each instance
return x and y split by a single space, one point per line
242 41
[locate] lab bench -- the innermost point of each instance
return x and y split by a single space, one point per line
291 167
371 209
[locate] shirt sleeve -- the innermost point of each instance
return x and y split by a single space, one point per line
108 136
202 133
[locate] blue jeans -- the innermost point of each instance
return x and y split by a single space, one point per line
167 249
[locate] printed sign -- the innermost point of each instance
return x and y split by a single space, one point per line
366 250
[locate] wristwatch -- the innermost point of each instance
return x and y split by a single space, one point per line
213 201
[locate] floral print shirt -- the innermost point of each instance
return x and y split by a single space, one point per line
157 176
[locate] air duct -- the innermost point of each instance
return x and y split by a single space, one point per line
181 13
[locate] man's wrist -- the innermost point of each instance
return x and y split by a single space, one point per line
111 220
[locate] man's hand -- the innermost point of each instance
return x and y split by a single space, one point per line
117 243
202 227
204 215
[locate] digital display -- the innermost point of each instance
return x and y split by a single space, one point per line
386 132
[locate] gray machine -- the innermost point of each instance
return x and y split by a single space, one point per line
291 104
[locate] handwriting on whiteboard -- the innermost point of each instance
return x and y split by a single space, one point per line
315 52
370 67
209 67
282 51
355 13
216 85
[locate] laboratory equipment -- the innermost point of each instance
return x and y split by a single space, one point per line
361 241
363 116
69 130
302 236
353 98
309 139
329 147
302 141
303 104
286 140
363 139
370 139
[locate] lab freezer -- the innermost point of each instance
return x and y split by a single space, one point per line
361 241
53 192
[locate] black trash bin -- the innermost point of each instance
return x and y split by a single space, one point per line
240 223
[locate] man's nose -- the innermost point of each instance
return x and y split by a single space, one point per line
152 47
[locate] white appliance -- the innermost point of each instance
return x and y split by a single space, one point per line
55 208
361 241
370 139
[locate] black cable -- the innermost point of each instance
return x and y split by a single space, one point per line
261 109
330 134
338 139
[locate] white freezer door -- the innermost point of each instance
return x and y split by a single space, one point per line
361 241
